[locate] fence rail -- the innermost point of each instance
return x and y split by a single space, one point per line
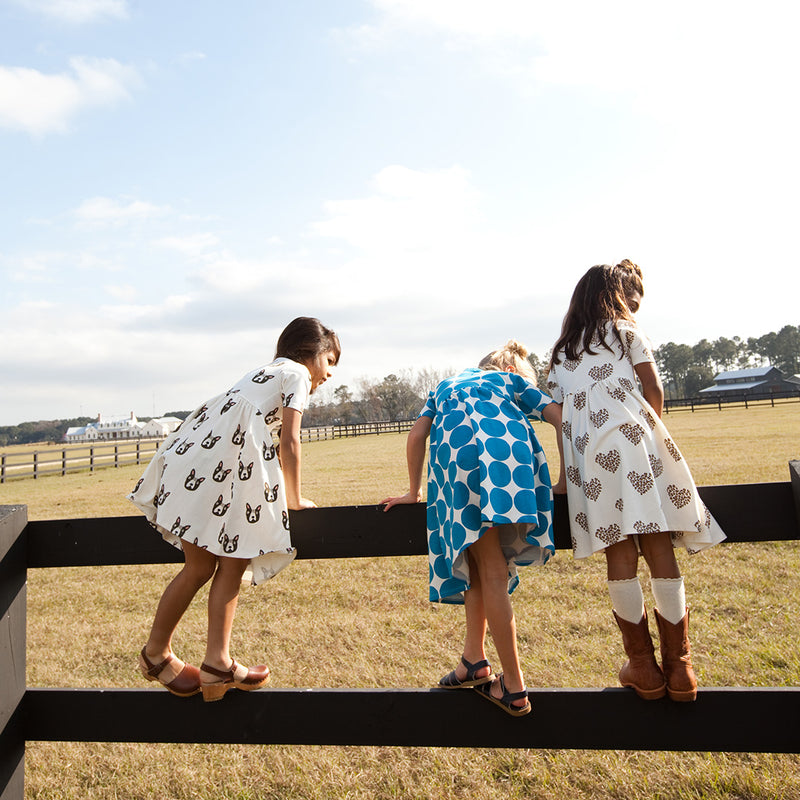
732 719
741 400
92 456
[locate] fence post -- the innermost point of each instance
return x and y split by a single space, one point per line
13 601
35 464
91 458
63 462
3 468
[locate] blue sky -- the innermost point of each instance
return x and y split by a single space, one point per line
428 177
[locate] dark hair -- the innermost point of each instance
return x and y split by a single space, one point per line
600 297
305 338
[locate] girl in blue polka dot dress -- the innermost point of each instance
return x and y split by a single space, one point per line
490 508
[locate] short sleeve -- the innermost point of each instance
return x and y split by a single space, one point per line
637 346
554 387
295 386
531 401
429 410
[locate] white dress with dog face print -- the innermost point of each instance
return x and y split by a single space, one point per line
217 482
625 475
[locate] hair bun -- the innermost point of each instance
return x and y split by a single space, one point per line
517 348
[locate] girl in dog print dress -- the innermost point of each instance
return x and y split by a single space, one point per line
628 487
220 490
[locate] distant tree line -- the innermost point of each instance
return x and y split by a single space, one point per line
685 370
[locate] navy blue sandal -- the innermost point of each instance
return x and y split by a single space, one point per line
450 681
506 701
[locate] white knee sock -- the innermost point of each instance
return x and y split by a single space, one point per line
627 599
670 597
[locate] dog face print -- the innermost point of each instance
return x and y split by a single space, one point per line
220 473
268 452
238 436
209 441
262 377
245 471
252 514
192 483
220 508
184 447
272 416
271 495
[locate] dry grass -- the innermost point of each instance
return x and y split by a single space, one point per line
745 600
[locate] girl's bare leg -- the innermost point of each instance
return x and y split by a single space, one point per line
475 638
659 554
222 601
197 570
622 560
487 555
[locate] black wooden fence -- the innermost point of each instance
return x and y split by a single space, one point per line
735 719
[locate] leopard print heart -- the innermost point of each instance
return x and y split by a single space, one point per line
581 442
572 365
642 483
599 373
618 394
627 384
592 488
650 527
574 474
579 400
629 339
673 450
619 505
633 433
582 520
657 465
609 461
566 429
599 418
648 418
610 535
680 497
552 385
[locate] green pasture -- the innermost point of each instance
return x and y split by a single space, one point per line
376 628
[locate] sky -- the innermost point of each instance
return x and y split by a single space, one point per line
430 178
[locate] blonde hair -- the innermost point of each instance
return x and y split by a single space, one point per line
513 356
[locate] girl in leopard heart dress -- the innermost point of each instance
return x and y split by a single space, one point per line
629 489
219 489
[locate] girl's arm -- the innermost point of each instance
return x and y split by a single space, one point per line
652 388
415 455
290 459
552 414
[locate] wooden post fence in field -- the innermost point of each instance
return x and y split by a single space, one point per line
91 456
729 719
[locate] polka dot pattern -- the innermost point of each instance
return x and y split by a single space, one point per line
486 468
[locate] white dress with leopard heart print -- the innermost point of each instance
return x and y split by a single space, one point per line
217 482
625 475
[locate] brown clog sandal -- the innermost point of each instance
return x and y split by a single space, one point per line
184 684
247 679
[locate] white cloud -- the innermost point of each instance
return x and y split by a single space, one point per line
38 103
194 246
104 211
411 210
78 11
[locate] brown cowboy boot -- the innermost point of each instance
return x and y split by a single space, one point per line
676 658
640 671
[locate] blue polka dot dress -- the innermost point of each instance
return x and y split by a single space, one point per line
486 468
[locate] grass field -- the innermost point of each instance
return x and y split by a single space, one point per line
379 630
